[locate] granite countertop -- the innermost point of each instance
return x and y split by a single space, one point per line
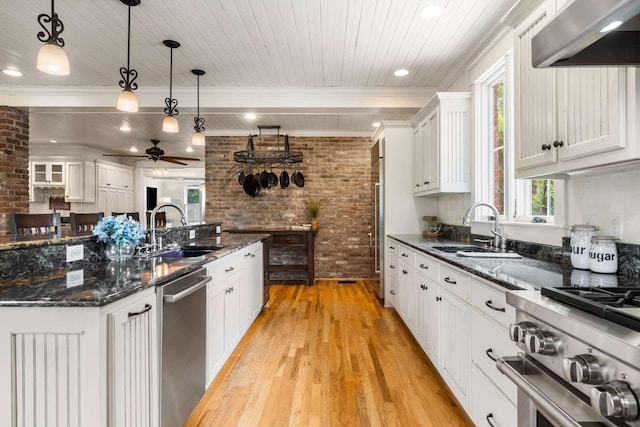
101 283
522 273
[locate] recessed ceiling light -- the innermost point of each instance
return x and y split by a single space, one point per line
53 141
250 116
432 11
189 149
401 72
376 124
611 26
133 149
125 127
12 72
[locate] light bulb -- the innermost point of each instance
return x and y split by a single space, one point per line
170 124
197 139
53 60
127 101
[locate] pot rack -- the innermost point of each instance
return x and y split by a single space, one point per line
266 157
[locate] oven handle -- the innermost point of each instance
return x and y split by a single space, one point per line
557 415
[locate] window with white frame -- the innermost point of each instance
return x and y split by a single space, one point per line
516 200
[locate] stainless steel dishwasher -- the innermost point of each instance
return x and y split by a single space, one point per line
182 330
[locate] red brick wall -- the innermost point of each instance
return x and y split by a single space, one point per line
336 170
14 163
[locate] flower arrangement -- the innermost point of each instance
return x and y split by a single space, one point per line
118 230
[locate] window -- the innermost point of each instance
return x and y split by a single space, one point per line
516 200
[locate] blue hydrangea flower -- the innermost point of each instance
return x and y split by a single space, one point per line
118 230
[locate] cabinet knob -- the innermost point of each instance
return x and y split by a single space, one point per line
438 298
405 272
546 147
417 185
558 144
392 292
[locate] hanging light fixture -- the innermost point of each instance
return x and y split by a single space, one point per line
127 100
51 57
198 136
170 123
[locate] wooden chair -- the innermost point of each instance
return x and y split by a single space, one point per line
161 219
84 223
133 215
35 224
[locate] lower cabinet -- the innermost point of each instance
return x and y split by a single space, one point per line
489 406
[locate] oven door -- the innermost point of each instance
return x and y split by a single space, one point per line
543 400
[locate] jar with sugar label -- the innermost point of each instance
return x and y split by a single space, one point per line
580 242
603 254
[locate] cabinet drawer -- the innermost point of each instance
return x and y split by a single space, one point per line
487 401
393 247
289 239
492 302
489 339
223 267
427 267
454 282
407 255
394 267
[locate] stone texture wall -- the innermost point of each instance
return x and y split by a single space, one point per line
14 164
336 170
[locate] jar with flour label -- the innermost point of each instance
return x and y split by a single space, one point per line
580 243
603 254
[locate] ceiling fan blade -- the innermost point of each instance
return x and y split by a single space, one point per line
123 155
170 160
180 158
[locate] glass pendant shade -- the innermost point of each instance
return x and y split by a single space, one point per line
170 124
127 102
197 139
53 60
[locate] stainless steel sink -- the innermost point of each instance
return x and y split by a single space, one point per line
183 253
476 251
460 248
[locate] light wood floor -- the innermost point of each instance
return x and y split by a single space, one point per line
327 355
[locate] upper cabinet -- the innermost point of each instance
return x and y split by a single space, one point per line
441 146
113 176
81 181
47 174
570 119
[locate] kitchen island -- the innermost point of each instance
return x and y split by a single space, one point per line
80 339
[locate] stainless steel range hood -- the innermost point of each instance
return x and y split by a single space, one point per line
574 36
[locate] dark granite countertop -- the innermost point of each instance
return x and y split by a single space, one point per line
523 273
101 283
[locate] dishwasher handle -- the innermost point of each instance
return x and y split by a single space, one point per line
177 297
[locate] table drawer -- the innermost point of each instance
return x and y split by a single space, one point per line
454 282
493 303
407 255
289 239
426 266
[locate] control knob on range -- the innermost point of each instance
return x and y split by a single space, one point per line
518 330
615 399
583 368
540 342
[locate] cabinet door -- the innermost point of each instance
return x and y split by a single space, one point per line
103 200
417 158
422 310
535 97
124 202
256 282
39 171
232 331
408 306
431 151
433 326
112 200
216 355
132 367
74 191
90 183
49 173
127 179
454 364
104 176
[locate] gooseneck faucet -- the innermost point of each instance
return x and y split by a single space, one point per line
152 219
498 239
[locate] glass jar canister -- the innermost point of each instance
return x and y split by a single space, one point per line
603 254
580 242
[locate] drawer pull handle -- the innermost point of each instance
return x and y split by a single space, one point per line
405 272
405 255
392 266
546 147
438 298
146 308
451 282
489 355
247 255
426 267
227 270
489 418
489 304
392 247
558 144
392 292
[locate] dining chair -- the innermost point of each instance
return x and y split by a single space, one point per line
134 215
161 219
35 224
84 223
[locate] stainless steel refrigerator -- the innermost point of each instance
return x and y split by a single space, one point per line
377 188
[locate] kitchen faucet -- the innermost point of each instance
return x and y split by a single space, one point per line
152 219
498 240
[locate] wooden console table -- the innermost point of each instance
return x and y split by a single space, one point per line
276 271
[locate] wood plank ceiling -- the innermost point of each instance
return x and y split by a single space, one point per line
242 44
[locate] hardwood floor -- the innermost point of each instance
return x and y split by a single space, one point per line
327 355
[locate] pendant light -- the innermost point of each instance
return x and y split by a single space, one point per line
198 136
51 57
170 123
127 100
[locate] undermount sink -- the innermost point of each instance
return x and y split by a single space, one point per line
183 253
195 247
476 251
460 248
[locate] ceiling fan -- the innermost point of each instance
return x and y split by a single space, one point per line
155 153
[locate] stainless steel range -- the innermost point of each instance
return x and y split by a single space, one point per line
580 364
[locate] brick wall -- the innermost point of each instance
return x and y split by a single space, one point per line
14 163
336 170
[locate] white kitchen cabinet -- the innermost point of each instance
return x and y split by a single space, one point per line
441 160
569 118
133 363
47 174
422 285
80 181
115 188
433 325
115 176
490 406
393 267
408 304
216 355
252 284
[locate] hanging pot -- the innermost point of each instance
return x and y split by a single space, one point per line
298 179
273 179
265 181
248 184
241 177
284 179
